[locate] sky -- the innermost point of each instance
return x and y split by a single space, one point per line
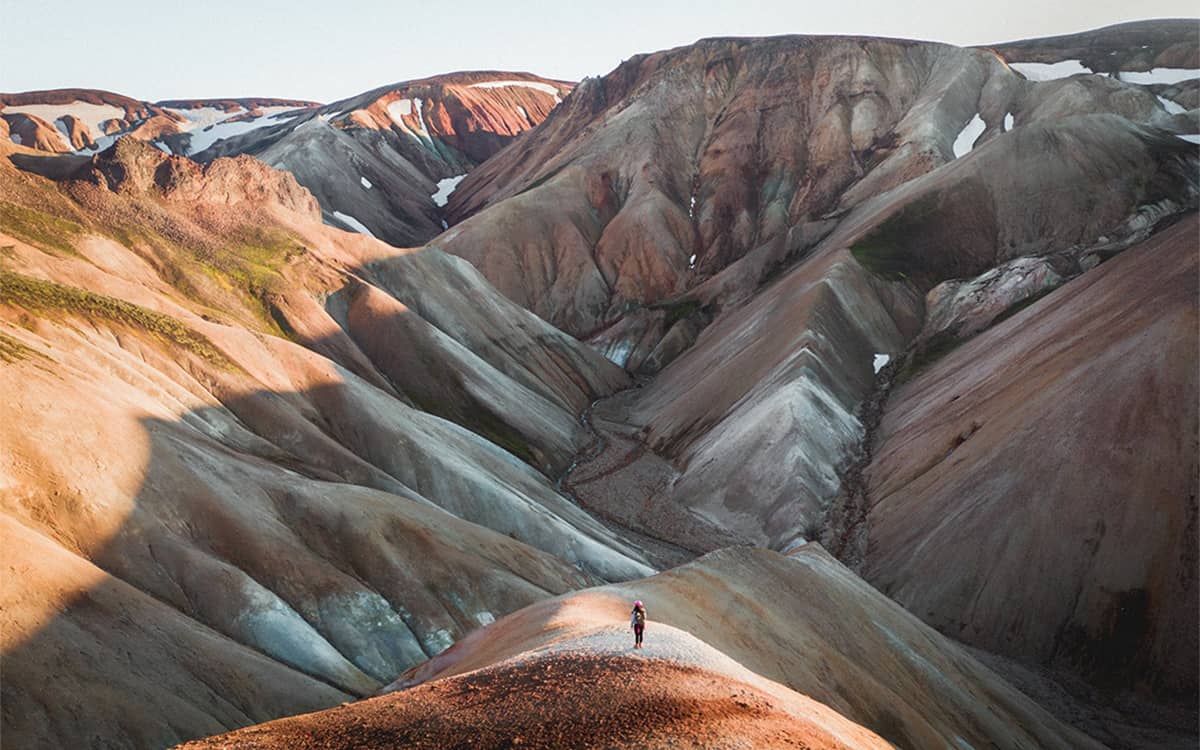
325 50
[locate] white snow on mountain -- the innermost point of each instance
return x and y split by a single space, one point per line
1050 71
61 127
968 135
201 117
89 114
353 223
205 137
1173 108
421 116
400 108
1159 75
445 188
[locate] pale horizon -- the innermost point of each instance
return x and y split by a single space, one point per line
299 50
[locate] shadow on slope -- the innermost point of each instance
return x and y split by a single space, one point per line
236 581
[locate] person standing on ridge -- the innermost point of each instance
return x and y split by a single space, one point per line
638 622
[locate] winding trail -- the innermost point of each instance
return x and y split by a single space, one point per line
661 553
626 485
598 444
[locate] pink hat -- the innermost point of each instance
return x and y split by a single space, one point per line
638 603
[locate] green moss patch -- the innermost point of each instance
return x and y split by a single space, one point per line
41 296
38 228
251 266
245 265
478 418
12 350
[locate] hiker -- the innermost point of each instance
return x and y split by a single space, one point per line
638 622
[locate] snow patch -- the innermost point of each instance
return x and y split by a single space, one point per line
1191 138
365 182
445 188
407 108
15 138
1173 108
692 261
881 361
484 618
66 135
1050 71
1008 122
968 135
523 112
101 143
400 108
90 115
445 226
353 223
420 116
199 118
201 139
161 147
1158 75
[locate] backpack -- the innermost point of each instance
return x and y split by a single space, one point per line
639 616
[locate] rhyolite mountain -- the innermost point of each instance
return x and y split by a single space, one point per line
869 364
783 215
382 162
88 120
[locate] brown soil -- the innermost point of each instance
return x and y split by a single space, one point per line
567 701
